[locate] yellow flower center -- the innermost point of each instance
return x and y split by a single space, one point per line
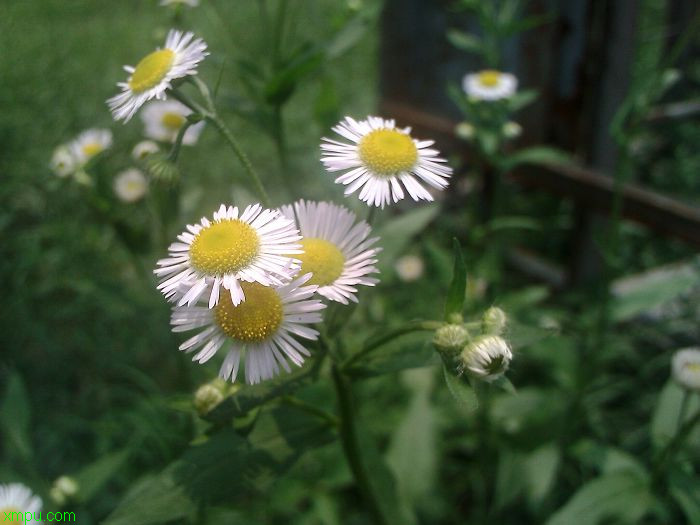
489 78
151 70
254 320
11 516
321 258
693 367
224 247
388 151
92 148
172 121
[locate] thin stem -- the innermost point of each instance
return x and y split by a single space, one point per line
666 454
351 446
683 409
373 344
175 150
311 409
226 133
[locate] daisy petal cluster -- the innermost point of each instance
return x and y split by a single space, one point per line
164 118
338 250
154 73
252 245
261 331
489 85
382 161
16 498
71 157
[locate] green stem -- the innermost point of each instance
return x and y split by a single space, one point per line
373 344
311 409
666 454
175 150
228 136
683 409
351 446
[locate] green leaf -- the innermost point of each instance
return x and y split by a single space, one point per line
465 41
352 32
685 489
412 351
460 389
303 61
623 497
650 291
541 468
412 453
455 296
664 423
397 232
153 500
93 477
15 415
535 155
521 99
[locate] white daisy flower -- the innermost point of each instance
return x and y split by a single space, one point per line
337 252
89 144
686 368
380 158
130 185
143 149
489 85
18 499
487 357
260 329
254 246
153 75
164 118
62 161
190 3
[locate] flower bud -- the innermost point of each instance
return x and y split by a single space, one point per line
63 489
512 130
465 131
409 268
161 168
486 358
494 320
449 339
685 366
62 162
143 149
208 396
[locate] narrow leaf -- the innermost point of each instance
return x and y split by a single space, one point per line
456 293
459 388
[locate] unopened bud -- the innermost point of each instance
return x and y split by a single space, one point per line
208 396
486 358
512 130
494 320
161 168
63 489
686 368
449 339
143 149
465 131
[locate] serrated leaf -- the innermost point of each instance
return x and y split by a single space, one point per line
460 389
153 500
458 287
15 414
535 155
623 497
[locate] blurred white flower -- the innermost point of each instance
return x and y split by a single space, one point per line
409 268
62 161
89 144
153 75
465 131
686 368
512 130
63 489
15 497
143 149
489 85
130 185
190 3
164 118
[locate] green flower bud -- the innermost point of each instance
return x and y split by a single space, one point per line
450 338
63 489
208 396
494 321
161 168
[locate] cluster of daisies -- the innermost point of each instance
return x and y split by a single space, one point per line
72 157
245 279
